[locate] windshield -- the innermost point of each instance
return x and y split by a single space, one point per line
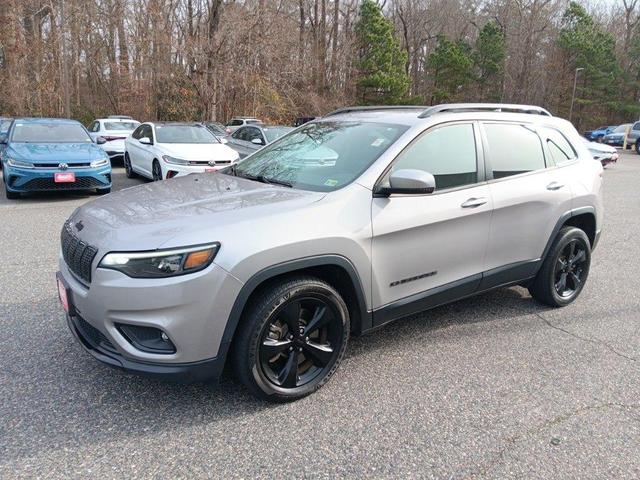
622 128
50 133
184 134
321 156
130 126
274 133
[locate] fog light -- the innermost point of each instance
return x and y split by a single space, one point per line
147 339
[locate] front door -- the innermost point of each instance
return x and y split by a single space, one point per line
433 245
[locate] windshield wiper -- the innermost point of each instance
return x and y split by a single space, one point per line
261 179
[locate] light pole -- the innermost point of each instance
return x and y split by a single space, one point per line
573 95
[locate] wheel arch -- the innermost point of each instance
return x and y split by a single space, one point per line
336 270
583 218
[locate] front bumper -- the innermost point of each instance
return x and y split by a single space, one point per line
20 180
191 309
204 371
174 171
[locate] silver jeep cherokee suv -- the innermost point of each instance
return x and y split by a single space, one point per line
343 225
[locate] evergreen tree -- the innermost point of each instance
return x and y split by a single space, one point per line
452 68
381 62
489 61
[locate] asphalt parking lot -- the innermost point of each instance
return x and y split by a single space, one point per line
496 386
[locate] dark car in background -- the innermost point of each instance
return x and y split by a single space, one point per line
597 134
302 120
251 138
5 123
616 138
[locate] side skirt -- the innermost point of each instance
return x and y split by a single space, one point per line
499 277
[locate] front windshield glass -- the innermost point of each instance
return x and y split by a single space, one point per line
50 133
131 126
184 134
322 156
622 128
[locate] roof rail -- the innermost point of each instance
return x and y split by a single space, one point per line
375 108
484 107
120 117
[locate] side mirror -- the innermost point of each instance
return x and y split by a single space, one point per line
257 141
145 141
408 182
101 140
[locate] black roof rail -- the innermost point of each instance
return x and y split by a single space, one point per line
484 107
375 108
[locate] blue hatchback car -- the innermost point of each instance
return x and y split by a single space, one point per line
45 154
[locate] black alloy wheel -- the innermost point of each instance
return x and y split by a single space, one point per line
564 270
156 171
300 341
292 338
569 269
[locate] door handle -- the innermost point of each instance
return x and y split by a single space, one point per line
474 202
554 186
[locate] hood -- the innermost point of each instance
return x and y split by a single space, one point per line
55 152
195 151
195 207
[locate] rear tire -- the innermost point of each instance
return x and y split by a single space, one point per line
564 270
292 339
128 169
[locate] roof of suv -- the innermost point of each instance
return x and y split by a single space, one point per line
415 115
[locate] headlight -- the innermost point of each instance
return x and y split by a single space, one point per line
102 162
162 263
12 162
175 161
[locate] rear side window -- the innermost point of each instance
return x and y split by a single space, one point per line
560 149
636 126
448 153
513 149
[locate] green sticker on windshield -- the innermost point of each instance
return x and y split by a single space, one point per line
331 183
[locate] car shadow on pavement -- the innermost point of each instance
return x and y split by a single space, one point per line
62 397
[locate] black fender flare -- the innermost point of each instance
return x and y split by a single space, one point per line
561 221
364 323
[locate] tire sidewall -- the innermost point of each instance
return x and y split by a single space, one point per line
566 237
263 317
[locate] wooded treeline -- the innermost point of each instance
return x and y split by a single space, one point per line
211 59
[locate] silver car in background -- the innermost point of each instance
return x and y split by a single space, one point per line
252 138
344 225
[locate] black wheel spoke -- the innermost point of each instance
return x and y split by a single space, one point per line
291 315
579 257
321 317
320 355
572 250
561 285
288 376
271 348
560 264
574 280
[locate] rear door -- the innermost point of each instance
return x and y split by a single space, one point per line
422 242
529 194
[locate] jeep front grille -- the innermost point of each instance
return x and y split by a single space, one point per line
77 254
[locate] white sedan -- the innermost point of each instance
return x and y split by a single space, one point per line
163 150
111 132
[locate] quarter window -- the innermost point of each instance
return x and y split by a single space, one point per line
513 149
560 149
448 153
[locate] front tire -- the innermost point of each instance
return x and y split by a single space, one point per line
564 270
292 339
128 169
156 171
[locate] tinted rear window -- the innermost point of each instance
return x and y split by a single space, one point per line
513 149
50 133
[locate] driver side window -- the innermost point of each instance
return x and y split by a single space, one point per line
447 152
